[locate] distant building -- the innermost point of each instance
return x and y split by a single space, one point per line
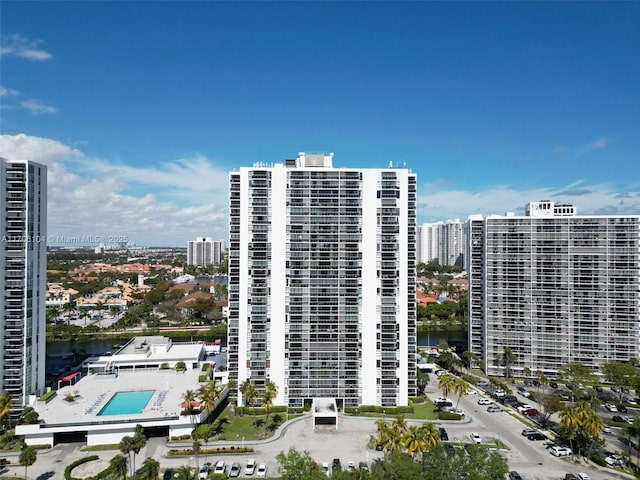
554 287
443 243
322 291
204 251
23 286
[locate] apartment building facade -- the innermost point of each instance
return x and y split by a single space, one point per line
322 281
204 251
555 287
23 255
442 242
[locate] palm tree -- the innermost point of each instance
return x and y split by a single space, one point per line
126 446
459 388
269 395
508 357
139 442
414 441
204 432
196 449
570 420
250 394
118 466
189 398
150 469
184 473
384 432
27 457
399 426
430 434
5 407
208 394
446 384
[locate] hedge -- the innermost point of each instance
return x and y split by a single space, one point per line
48 396
598 460
206 451
443 415
261 410
379 409
80 461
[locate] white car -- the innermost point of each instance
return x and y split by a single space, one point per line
326 469
351 466
262 471
611 407
484 401
524 407
583 476
458 411
250 467
476 438
614 461
558 451
220 467
471 391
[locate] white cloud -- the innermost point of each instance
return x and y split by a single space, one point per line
21 47
8 92
88 197
37 107
435 203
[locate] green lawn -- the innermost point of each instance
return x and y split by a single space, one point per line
236 427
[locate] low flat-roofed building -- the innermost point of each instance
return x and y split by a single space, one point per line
96 406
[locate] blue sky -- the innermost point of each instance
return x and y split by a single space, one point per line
141 109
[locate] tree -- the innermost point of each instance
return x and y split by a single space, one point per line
542 379
445 383
396 466
5 407
185 472
550 405
28 456
150 469
621 374
576 373
188 400
479 464
139 442
459 388
419 439
581 425
295 465
118 466
269 395
209 393
507 357
126 447
203 432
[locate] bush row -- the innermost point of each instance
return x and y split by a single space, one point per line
206 451
379 409
102 475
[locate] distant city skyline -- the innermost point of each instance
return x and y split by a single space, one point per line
141 109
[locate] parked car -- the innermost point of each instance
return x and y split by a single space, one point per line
622 408
514 476
234 471
261 472
530 412
484 401
528 431
364 466
168 474
553 384
614 461
611 407
570 476
598 388
583 476
443 434
203 473
325 469
336 466
475 437
537 436
250 467
351 466
618 419
494 408
615 389
558 451
220 467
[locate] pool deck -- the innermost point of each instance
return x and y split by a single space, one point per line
94 391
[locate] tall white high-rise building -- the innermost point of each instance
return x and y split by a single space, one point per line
204 251
442 242
322 281
555 287
23 283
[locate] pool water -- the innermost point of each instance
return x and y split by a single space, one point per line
125 403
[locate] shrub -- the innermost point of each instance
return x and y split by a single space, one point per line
80 461
48 396
442 415
598 460
164 366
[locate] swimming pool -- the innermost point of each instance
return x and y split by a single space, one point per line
126 403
